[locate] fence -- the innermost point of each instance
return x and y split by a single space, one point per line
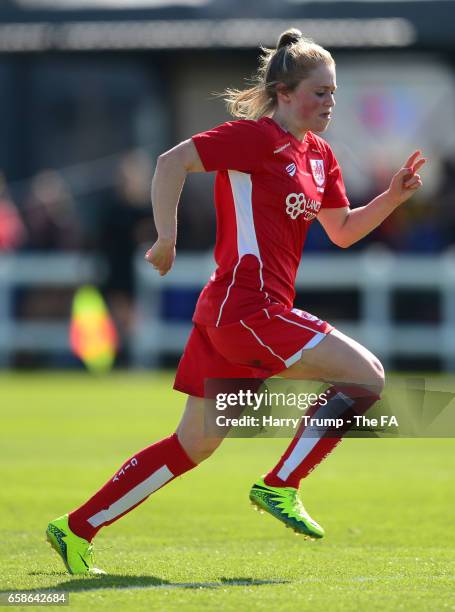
33 271
374 275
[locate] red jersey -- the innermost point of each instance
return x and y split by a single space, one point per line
269 188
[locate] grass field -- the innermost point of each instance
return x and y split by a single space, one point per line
387 507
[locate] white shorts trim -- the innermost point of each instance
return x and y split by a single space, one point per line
298 324
309 345
262 343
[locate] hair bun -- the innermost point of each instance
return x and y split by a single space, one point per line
289 38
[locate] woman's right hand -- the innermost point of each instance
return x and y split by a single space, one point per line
162 255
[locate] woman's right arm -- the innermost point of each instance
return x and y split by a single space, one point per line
168 180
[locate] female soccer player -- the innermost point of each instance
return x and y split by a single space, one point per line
274 176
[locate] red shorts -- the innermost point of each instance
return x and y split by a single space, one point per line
259 346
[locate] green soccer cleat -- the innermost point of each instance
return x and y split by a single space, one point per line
284 504
77 553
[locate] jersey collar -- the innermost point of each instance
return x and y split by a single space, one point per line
300 145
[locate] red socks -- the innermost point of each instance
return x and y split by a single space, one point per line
311 444
141 475
158 464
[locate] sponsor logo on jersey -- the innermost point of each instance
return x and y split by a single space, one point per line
317 168
298 204
291 169
282 148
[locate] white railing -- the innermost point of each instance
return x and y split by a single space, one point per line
375 274
31 271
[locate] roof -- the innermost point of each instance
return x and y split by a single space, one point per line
67 25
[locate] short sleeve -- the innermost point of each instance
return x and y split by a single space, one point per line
234 145
335 191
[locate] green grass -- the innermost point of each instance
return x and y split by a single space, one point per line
387 507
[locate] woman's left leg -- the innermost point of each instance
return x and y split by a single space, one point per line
357 379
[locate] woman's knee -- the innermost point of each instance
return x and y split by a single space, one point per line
198 448
192 430
372 376
340 360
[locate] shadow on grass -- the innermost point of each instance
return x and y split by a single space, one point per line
95 583
249 581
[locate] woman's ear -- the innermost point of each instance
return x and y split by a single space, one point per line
282 92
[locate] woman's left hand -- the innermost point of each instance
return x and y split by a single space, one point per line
406 181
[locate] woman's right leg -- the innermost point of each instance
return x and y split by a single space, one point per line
193 426
146 472
139 477
156 465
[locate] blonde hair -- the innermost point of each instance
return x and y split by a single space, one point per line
292 61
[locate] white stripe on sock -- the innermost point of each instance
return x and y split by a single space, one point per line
133 497
312 435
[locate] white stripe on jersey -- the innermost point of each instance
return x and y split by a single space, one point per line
247 243
242 188
133 497
227 293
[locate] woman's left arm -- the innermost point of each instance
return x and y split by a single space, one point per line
345 226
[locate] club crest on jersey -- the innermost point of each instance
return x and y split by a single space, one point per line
291 169
317 168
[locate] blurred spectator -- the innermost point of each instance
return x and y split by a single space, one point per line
425 232
12 229
445 196
125 223
50 214
197 214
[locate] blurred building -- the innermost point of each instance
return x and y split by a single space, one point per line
82 81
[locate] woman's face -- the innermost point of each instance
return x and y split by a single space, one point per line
309 106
